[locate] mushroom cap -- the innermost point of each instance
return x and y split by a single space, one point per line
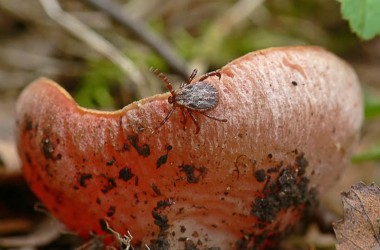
293 116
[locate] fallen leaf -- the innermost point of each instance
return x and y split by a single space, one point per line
361 224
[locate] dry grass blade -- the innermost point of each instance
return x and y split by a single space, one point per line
43 234
81 31
143 33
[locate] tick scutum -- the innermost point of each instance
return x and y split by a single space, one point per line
198 96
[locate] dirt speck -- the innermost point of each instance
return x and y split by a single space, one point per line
83 178
111 162
156 190
193 174
48 149
110 184
111 211
126 174
260 175
143 150
160 220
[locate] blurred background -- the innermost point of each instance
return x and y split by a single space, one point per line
101 52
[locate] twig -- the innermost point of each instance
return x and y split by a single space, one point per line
81 31
144 34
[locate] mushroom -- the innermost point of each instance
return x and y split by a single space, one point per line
293 116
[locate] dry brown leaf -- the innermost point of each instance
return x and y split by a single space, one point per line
361 224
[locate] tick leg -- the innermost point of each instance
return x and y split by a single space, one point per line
184 118
166 119
214 118
164 79
195 122
212 73
191 77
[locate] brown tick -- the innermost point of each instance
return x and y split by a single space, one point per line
197 96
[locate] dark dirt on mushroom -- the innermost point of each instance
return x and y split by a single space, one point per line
83 178
289 189
126 174
193 174
286 188
142 150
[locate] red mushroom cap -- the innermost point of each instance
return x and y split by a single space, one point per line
293 115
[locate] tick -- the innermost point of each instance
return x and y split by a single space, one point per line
200 97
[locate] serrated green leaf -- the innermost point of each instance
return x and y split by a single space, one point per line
363 16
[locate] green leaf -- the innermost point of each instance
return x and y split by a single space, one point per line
371 104
372 110
363 16
372 154
95 87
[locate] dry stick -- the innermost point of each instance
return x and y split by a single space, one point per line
141 31
81 31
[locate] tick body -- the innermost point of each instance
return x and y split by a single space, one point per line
192 97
